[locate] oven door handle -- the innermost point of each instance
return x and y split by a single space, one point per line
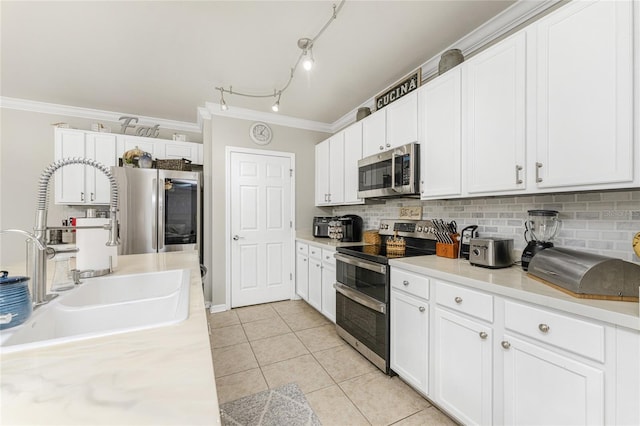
360 298
360 263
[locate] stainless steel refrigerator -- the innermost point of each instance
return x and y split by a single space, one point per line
159 210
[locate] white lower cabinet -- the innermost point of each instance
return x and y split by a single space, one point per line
302 270
328 279
488 359
315 275
463 367
542 387
409 339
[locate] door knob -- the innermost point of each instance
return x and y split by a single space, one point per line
236 237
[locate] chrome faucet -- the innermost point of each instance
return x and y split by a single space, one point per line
39 272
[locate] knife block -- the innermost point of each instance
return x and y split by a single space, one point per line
447 250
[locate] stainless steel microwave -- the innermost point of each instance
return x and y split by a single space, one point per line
395 172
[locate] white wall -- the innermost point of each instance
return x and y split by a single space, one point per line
235 132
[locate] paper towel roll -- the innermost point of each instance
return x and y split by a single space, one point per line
93 252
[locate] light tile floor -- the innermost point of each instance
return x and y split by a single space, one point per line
265 346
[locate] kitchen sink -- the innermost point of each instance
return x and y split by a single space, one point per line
105 306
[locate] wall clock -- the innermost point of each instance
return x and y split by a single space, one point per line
260 133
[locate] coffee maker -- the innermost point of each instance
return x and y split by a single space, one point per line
541 228
347 228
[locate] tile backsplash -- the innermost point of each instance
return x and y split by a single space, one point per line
598 222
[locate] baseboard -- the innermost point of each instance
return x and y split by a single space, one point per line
218 308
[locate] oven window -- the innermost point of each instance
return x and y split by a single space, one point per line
373 284
365 324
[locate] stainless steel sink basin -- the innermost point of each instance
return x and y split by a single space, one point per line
105 306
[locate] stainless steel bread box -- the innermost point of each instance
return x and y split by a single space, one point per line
587 274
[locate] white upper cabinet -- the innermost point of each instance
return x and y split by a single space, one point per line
374 133
352 153
582 74
402 121
79 184
337 168
439 103
493 118
394 125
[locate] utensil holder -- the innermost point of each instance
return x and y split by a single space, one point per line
447 250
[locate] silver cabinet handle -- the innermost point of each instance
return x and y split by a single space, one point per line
422 309
538 167
388 145
483 335
93 197
82 196
518 170
405 282
304 259
458 300
381 147
505 344
543 327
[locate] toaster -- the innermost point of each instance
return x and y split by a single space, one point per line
491 252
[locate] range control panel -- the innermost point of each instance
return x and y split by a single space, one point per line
407 228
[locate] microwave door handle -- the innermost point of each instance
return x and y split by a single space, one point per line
393 170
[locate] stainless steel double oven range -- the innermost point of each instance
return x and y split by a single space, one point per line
362 287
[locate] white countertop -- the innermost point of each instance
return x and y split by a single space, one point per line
156 376
515 283
328 242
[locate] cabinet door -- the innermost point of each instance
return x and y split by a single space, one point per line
315 283
584 81
336 169
322 173
544 388
102 148
70 180
463 367
302 276
352 153
409 339
186 150
440 136
493 118
328 292
402 121
374 133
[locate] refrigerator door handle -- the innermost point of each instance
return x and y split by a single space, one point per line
154 205
161 213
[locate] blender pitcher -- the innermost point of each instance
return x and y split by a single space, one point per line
541 228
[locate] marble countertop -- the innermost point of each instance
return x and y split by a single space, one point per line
156 376
513 282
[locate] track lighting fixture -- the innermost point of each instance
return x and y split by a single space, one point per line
306 57
276 106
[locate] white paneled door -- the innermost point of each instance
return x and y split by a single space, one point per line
261 228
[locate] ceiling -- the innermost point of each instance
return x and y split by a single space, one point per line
163 58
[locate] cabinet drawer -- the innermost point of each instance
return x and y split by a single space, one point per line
415 284
302 248
465 300
327 257
575 335
315 252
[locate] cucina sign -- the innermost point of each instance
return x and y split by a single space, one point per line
406 86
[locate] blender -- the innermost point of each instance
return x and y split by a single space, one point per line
540 229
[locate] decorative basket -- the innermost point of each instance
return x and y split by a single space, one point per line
174 164
371 237
396 246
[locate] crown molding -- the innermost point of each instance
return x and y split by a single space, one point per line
268 117
93 114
